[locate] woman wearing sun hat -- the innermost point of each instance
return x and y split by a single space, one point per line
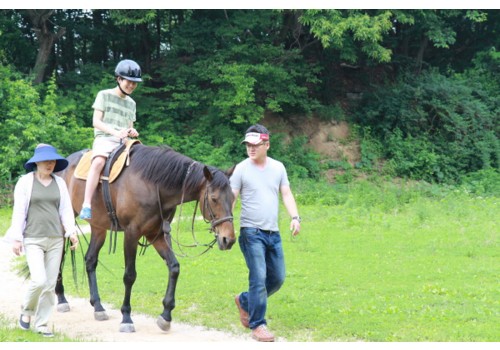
42 216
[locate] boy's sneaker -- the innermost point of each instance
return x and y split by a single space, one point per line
86 213
261 333
24 325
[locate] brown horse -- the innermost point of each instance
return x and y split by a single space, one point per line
145 196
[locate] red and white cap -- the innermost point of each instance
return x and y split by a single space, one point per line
255 138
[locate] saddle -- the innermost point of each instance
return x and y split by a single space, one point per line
83 166
114 165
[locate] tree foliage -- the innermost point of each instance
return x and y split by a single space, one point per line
30 117
428 80
352 32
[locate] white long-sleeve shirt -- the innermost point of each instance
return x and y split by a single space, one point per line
22 197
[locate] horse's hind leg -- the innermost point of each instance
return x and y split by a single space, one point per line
164 248
97 239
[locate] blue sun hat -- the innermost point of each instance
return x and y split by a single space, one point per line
45 152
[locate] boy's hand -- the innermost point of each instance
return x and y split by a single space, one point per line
123 134
132 132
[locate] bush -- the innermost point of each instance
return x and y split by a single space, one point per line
434 127
299 161
411 157
482 182
371 150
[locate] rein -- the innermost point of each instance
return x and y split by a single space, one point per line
115 225
177 240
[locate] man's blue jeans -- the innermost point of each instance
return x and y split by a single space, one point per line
263 253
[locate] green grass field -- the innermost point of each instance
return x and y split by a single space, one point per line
374 262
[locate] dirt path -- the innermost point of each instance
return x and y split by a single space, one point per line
79 323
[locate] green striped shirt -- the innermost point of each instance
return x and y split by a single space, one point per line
118 112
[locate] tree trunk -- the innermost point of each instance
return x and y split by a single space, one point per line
46 40
420 56
146 47
99 47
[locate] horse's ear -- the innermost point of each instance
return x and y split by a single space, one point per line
230 171
207 173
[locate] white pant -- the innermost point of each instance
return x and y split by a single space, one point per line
43 256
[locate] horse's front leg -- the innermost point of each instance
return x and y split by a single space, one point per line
164 248
129 277
97 239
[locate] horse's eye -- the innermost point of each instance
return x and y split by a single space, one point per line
214 199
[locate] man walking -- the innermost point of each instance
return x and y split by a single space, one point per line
259 179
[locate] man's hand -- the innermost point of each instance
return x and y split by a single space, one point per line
295 227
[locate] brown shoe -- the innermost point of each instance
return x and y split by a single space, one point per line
261 333
243 314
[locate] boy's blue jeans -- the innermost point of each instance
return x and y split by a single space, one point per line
263 253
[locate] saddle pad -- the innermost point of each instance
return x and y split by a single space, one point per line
83 167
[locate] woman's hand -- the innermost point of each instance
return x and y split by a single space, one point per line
74 241
17 247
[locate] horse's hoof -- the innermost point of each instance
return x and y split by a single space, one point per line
63 307
101 316
164 325
127 328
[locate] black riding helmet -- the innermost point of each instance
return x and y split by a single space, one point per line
129 70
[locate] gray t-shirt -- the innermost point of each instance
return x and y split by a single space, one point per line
259 192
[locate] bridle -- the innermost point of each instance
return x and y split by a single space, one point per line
213 221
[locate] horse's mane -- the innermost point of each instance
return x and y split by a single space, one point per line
163 166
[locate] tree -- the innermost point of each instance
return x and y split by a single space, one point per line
438 36
43 29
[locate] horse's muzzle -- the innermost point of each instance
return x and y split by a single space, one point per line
225 243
